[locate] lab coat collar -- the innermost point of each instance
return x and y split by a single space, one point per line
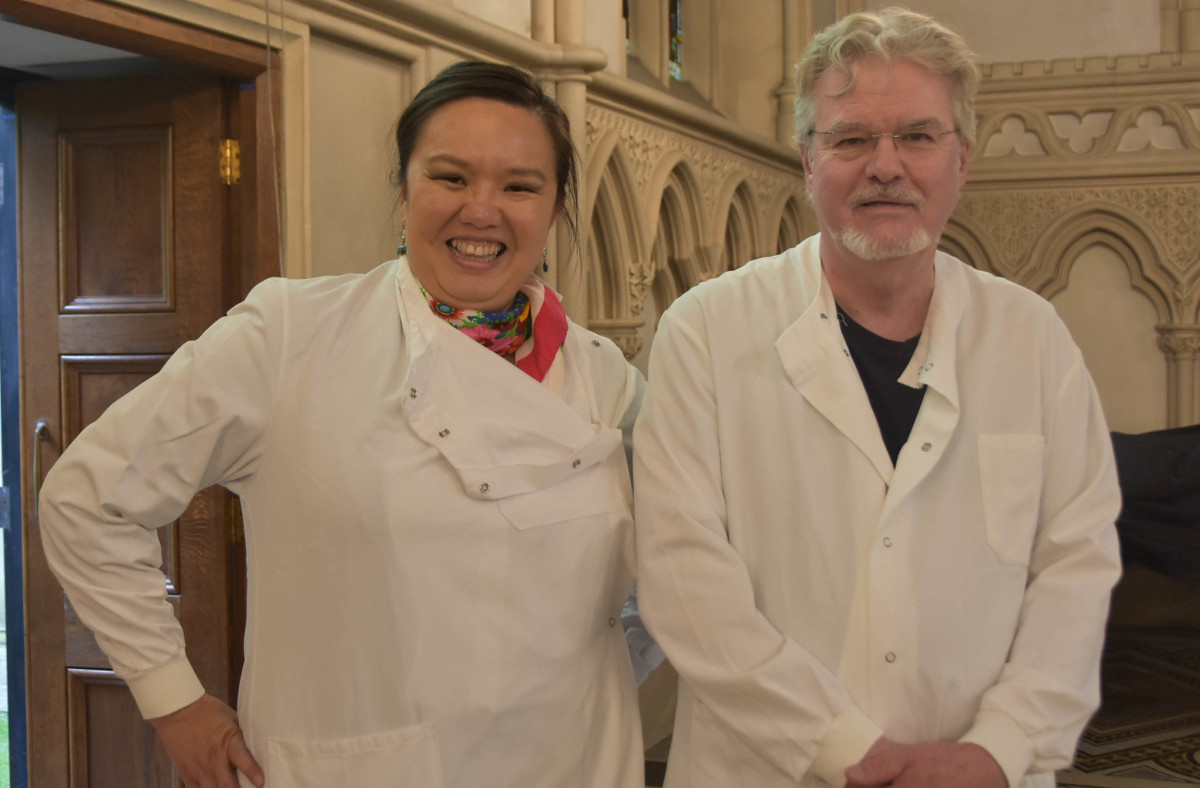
502 431
818 364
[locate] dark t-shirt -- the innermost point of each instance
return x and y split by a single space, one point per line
880 361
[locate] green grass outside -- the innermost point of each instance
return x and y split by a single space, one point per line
4 770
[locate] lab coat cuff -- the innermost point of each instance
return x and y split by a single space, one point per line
844 744
1005 741
165 688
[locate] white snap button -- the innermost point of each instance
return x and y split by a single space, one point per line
484 487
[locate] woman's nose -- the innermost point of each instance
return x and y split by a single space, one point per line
481 208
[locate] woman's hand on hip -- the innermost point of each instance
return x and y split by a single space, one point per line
206 744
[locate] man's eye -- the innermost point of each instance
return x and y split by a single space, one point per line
916 137
849 142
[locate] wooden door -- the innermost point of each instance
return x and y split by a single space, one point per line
125 254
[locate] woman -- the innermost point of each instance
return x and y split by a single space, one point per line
430 466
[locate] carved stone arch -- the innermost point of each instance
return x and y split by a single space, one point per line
1128 118
615 224
618 276
740 242
677 267
786 224
1060 245
963 240
674 171
994 125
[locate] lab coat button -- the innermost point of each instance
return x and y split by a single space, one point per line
890 656
483 488
577 463
887 541
595 343
824 316
443 432
612 622
412 393
926 446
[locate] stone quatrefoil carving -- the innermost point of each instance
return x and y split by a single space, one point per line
1150 130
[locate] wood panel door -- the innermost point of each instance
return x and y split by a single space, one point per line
125 253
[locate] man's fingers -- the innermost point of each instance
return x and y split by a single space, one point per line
241 758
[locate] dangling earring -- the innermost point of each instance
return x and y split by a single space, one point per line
403 247
545 265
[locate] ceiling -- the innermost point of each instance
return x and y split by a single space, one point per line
46 54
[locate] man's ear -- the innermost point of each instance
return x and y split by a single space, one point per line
805 153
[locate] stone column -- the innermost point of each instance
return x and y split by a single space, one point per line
1169 25
571 279
541 14
1189 26
1181 345
797 24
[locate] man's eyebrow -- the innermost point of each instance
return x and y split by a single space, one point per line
919 123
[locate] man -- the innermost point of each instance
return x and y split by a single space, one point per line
875 490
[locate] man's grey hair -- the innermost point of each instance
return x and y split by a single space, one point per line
893 34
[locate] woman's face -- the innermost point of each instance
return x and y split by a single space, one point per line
479 197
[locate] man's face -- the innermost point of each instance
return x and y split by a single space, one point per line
876 200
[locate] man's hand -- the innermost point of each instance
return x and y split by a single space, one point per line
927 765
205 742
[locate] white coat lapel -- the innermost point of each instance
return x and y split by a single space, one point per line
819 366
932 366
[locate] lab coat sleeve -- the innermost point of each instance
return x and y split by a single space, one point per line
1031 719
695 590
198 422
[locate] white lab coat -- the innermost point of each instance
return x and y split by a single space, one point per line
438 546
811 596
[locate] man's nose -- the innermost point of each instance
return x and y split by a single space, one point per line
883 160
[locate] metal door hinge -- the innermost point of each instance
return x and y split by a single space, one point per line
231 162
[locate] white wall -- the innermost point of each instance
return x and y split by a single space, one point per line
1113 324
509 15
355 100
1016 30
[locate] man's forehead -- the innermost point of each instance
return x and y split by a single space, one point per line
877 80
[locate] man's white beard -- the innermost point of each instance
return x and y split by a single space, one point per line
866 248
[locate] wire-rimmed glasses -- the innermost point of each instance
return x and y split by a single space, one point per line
852 140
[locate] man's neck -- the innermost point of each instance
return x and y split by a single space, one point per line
887 297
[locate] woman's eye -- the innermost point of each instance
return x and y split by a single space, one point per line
449 178
522 187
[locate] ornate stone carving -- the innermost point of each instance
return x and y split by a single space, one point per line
641 277
1015 220
1179 341
648 146
1080 133
1013 137
1149 131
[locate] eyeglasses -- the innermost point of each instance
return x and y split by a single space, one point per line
853 141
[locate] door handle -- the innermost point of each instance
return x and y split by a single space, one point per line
41 433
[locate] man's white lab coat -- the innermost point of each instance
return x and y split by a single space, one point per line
811 596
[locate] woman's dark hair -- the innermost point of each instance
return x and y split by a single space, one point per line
475 79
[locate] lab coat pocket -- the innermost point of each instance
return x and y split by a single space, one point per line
407 756
590 493
1010 475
